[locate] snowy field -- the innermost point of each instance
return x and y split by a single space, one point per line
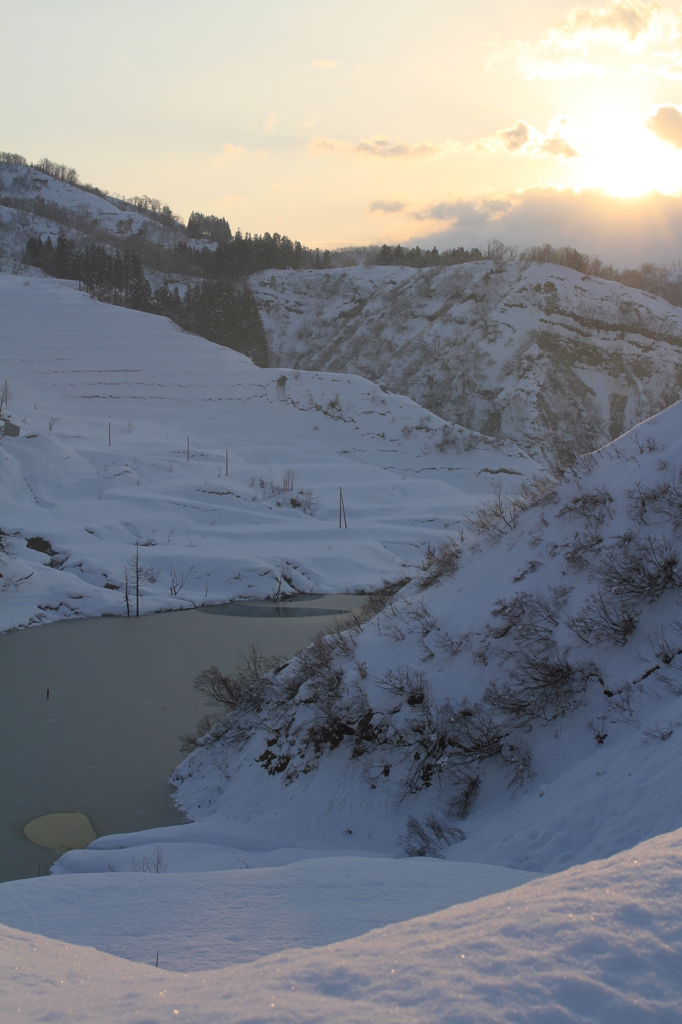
599 943
78 367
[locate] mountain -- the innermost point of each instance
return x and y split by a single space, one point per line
552 359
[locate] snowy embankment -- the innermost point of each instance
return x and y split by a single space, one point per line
535 353
598 943
78 368
518 703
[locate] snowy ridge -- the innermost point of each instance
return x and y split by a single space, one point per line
34 203
520 702
79 368
600 942
536 353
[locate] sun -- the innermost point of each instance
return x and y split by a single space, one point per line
623 158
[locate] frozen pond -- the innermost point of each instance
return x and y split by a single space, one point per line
106 741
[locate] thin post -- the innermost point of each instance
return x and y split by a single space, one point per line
188 447
343 506
157 958
48 693
340 500
137 578
110 433
226 472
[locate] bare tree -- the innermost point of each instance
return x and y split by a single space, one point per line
133 575
5 395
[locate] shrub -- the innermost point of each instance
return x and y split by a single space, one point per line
439 562
639 569
243 689
604 619
429 838
542 685
592 505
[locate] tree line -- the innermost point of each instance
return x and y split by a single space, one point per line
237 256
399 257
222 311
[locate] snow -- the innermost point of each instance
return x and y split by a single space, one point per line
584 775
77 366
536 353
206 920
38 204
599 942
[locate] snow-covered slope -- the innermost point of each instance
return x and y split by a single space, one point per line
34 203
599 943
537 353
78 368
519 703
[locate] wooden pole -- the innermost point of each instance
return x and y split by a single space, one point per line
343 506
226 472
340 500
188 447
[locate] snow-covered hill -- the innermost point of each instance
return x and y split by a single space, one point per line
73 505
34 203
517 703
535 353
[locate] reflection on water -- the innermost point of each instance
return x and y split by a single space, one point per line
120 694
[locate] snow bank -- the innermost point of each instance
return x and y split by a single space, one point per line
600 942
202 921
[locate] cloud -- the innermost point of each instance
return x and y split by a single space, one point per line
386 206
229 152
525 140
626 232
326 65
628 26
666 124
380 147
466 213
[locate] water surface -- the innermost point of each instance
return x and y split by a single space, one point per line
106 741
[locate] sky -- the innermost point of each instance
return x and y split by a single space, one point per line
446 123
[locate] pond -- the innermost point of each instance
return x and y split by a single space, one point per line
120 695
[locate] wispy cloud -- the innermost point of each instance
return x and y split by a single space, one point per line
466 213
666 124
525 140
387 206
379 147
625 26
229 152
326 65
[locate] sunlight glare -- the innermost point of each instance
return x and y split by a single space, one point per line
624 158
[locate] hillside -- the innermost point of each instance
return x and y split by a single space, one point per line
106 398
535 353
519 703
